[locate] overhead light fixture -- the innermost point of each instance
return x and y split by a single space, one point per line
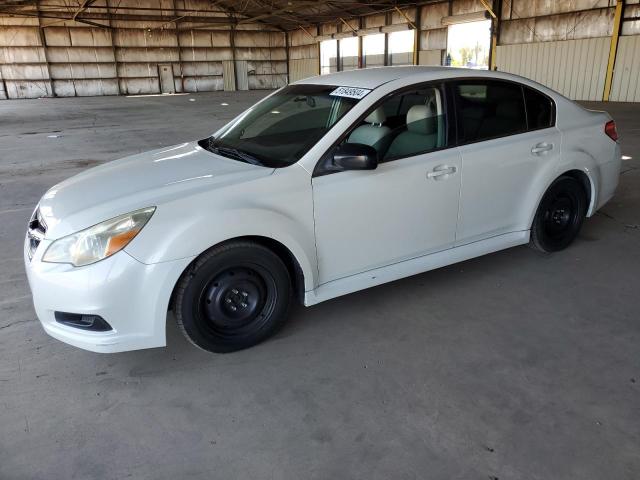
626 157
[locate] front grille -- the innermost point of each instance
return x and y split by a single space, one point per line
35 232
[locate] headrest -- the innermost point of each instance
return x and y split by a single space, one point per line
418 119
377 116
509 109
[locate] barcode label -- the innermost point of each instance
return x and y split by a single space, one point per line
350 92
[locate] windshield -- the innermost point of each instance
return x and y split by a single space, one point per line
279 131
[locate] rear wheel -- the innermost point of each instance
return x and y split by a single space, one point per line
233 297
560 215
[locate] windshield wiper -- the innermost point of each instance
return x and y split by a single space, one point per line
240 155
234 153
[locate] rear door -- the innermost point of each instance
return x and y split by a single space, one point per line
508 140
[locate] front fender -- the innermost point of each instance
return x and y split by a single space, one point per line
278 207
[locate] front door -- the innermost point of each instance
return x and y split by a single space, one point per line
405 208
166 79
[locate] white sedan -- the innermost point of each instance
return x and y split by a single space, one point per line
328 186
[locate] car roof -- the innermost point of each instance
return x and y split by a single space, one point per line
374 77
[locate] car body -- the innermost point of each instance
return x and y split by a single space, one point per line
337 229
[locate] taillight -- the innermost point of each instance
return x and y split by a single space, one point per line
610 130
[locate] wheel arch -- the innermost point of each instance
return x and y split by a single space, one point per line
280 249
581 175
587 183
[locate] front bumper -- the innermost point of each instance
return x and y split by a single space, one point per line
131 296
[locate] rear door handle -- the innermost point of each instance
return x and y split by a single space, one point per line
441 171
542 148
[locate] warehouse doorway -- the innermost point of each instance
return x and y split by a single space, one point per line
468 45
165 72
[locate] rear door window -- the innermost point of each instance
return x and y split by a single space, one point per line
488 109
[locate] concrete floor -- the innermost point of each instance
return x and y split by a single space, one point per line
516 365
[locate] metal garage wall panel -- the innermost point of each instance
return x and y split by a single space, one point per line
206 54
430 57
302 68
82 71
139 86
434 39
200 69
303 51
28 89
160 55
626 86
203 84
21 55
242 75
259 39
257 53
24 72
86 87
575 68
261 82
3 93
138 37
259 67
80 54
19 37
229 75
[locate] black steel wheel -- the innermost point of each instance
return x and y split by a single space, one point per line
233 297
559 216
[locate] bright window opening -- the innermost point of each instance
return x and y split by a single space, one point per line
349 53
373 50
401 48
328 56
468 45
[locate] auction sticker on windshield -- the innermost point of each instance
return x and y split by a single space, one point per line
350 92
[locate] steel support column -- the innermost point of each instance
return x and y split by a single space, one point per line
613 50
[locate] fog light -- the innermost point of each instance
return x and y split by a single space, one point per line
94 323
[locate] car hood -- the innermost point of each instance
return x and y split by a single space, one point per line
138 181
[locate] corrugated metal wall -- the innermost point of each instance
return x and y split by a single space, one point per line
302 68
626 77
229 75
63 58
563 44
303 54
575 68
430 57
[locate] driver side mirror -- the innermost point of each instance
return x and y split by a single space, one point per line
355 156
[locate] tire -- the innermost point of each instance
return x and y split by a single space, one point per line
232 297
559 216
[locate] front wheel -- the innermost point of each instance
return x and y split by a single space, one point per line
233 297
559 216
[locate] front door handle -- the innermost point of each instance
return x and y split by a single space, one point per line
542 148
441 171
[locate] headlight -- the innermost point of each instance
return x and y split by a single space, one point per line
98 242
